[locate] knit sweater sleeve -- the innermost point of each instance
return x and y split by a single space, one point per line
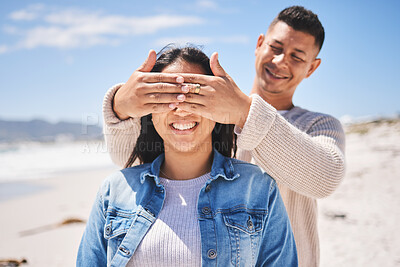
308 161
120 135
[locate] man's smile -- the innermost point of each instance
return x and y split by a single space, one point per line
275 75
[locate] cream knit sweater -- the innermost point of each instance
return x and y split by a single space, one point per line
174 238
302 150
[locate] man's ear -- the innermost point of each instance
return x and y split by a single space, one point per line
314 65
260 41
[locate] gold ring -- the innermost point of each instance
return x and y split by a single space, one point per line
197 89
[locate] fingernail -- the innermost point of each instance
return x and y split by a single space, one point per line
172 105
180 80
185 88
180 97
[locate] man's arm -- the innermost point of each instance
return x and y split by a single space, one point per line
120 135
310 163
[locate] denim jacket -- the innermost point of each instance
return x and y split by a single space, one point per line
242 219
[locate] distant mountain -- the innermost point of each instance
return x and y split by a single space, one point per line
40 130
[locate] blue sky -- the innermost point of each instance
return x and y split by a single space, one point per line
58 58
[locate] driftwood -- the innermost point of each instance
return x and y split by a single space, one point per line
49 227
12 262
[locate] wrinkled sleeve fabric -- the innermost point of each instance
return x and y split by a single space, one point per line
278 247
93 247
309 162
120 135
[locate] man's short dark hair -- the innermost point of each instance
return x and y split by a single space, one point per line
304 20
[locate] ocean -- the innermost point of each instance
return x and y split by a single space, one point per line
37 160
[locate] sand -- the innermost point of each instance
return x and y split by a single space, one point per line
62 197
357 223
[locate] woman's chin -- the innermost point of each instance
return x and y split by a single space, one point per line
187 147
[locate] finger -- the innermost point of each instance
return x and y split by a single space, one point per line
148 64
167 88
196 78
194 88
158 98
197 99
215 66
159 108
158 77
204 111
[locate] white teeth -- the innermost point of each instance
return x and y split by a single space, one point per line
276 75
183 126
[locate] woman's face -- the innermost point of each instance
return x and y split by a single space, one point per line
183 131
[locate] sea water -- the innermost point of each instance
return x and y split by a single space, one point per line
36 160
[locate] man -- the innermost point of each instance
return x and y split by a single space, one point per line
302 150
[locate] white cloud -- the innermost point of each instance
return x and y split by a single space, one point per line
61 38
209 5
199 40
28 14
71 28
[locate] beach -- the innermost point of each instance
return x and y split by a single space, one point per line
31 225
42 220
358 222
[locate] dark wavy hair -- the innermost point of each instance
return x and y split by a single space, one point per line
149 144
304 20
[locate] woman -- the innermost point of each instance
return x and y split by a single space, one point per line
189 203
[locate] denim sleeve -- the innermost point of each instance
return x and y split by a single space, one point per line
278 247
93 247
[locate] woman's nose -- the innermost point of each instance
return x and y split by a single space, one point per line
181 112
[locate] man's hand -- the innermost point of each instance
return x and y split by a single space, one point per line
219 99
146 92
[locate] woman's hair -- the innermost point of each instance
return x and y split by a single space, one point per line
149 144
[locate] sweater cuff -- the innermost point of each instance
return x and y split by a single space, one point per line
259 121
110 118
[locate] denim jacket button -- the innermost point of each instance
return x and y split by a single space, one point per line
206 210
211 254
149 212
208 187
124 250
108 229
250 224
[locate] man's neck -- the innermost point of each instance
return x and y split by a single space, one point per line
187 165
278 101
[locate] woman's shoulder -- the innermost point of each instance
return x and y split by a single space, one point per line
126 176
249 177
136 169
247 169
246 166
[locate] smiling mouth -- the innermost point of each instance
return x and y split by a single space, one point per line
183 126
275 75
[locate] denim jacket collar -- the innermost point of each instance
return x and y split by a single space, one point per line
221 167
